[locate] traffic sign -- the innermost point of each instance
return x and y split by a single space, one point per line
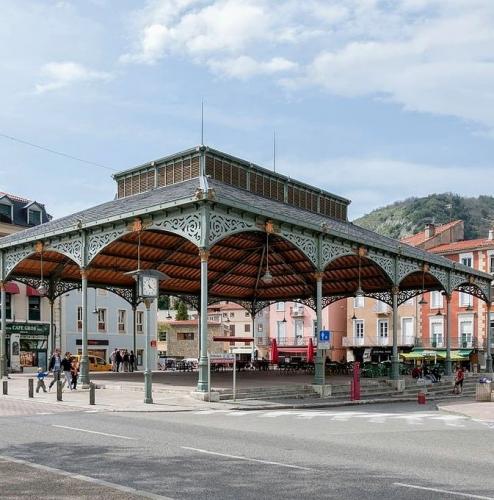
324 340
221 357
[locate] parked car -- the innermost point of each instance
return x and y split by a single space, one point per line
96 364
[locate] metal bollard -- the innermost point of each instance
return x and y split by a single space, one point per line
92 393
59 390
30 387
5 387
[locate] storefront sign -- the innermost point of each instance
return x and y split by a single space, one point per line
28 328
92 342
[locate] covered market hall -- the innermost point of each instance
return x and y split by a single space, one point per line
222 228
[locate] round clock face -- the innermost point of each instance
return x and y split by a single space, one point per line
149 286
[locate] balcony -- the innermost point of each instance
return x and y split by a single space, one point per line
381 308
409 340
297 311
284 341
383 341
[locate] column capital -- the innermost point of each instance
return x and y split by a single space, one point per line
204 254
147 303
319 275
395 290
447 296
84 273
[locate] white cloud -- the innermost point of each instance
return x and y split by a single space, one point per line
57 75
245 67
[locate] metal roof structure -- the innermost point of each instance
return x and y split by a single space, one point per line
240 218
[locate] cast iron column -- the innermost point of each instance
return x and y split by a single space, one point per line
488 361
52 329
148 374
84 359
3 333
202 384
395 359
320 372
447 365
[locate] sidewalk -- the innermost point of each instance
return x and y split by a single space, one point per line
483 411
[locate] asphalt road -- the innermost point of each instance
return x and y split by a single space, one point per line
390 451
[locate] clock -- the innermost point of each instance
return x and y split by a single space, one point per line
148 286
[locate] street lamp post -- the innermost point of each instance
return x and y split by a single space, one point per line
148 291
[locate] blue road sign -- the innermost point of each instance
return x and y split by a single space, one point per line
324 340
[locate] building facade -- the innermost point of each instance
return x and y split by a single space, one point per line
110 324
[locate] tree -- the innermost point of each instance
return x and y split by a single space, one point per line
163 302
182 313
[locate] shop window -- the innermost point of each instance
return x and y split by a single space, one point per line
139 321
122 320
101 320
34 309
8 306
185 336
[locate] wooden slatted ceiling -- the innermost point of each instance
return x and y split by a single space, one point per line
235 265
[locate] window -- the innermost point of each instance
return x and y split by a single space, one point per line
162 336
185 336
225 315
101 320
232 315
358 329
382 331
34 309
280 331
466 259
139 321
122 320
246 327
79 318
381 307
358 302
5 212
247 314
260 327
436 300
407 335
8 306
280 306
410 302
466 333
437 333
34 217
298 327
465 300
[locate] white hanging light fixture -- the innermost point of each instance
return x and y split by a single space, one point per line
359 292
267 277
41 288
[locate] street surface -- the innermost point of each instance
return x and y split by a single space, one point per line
389 451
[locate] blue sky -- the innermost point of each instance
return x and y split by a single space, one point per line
372 100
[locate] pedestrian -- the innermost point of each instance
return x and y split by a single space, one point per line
118 359
66 368
132 361
125 359
41 380
55 366
113 360
74 370
459 377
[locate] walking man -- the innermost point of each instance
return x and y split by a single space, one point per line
66 367
55 366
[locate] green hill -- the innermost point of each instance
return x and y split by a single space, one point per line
403 218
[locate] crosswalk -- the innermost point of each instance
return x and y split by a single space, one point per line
410 418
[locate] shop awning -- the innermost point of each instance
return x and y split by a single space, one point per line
294 349
225 338
11 287
32 292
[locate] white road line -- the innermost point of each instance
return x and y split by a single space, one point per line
93 432
246 458
88 479
438 490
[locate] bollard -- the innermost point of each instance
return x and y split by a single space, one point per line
30 387
92 393
59 390
5 387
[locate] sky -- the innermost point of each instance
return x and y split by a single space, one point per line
373 100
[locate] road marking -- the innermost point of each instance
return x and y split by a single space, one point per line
246 458
438 490
88 479
94 432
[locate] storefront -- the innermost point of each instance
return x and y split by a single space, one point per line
96 347
27 346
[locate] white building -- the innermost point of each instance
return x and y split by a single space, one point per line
110 324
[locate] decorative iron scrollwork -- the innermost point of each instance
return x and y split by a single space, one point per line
307 244
387 264
14 257
186 225
331 251
224 225
99 240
